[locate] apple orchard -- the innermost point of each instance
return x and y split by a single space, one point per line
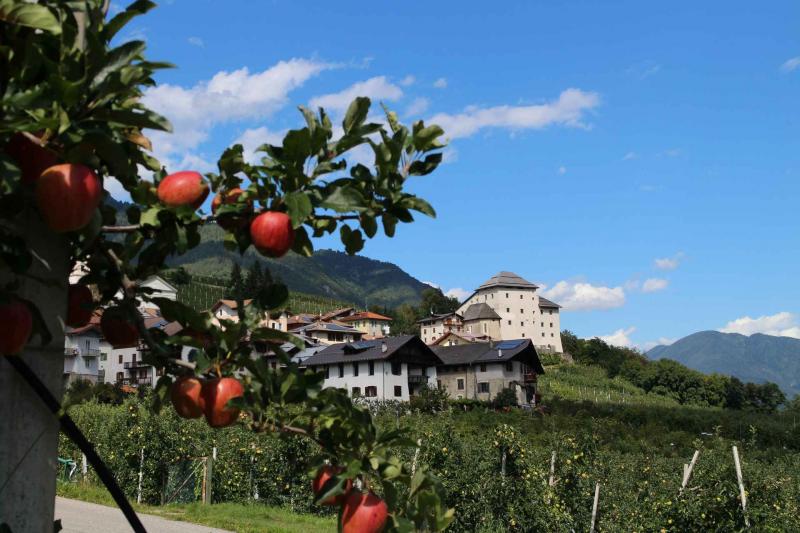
72 118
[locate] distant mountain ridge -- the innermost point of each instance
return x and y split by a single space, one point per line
355 279
756 358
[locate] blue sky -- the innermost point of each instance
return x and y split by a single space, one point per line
641 161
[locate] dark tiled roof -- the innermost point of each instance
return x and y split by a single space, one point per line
480 311
405 348
517 350
544 302
327 326
435 317
507 279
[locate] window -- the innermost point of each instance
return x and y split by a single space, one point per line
398 391
542 324
88 344
522 323
520 297
509 322
483 387
133 358
509 366
371 391
523 335
550 311
371 368
425 331
356 392
274 365
338 337
521 311
506 295
119 376
552 335
120 358
103 356
460 384
508 310
397 369
484 328
439 384
483 367
551 324
543 334
341 370
327 371
355 369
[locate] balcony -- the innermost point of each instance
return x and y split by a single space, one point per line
415 379
90 353
70 352
135 381
134 364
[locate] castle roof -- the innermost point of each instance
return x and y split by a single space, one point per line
507 279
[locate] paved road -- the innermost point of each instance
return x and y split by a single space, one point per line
81 517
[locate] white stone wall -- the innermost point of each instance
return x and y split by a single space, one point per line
383 379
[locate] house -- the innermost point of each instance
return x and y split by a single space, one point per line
372 325
454 339
393 368
434 326
336 314
227 309
507 306
330 332
82 353
481 370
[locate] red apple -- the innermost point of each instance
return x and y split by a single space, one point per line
187 398
118 330
183 188
230 221
325 473
67 196
17 326
272 233
31 158
363 512
80 306
216 393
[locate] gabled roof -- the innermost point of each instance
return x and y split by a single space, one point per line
327 326
544 302
344 311
517 350
468 337
507 279
480 311
228 303
405 348
366 315
435 317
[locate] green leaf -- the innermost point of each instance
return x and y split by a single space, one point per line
389 224
425 138
356 114
302 244
118 58
426 166
150 217
128 117
300 207
30 15
139 7
369 225
352 239
344 200
418 204
297 145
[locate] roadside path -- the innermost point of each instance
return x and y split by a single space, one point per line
83 517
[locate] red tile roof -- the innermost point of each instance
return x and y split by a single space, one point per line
364 315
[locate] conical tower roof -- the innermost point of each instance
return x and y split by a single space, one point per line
507 279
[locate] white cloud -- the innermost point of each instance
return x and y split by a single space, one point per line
567 110
580 296
790 64
441 83
432 284
458 293
408 80
252 138
783 324
417 107
377 88
196 41
562 170
629 156
621 337
661 341
669 263
654 284
226 97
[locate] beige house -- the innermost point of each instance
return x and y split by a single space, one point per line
330 332
508 307
479 371
371 324
435 326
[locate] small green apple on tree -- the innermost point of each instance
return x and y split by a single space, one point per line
71 118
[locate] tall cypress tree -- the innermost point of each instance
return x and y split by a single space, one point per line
235 288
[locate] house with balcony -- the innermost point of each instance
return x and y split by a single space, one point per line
372 325
392 368
437 325
82 353
479 371
329 332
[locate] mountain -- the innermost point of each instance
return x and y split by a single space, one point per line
756 358
355 279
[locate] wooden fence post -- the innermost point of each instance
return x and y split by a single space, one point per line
594 506
552 480
141 473
742 494
687 471
84 467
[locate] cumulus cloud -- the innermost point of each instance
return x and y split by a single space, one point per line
377 88
783 324
669 263
458 293
196 41
661 341
581 296
226 97
441 83
654 284
621 337
790 64
568 109
417 107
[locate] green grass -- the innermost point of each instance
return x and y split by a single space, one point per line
239 517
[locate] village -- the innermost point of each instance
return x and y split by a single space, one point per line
491 343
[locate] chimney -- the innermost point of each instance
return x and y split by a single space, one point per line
384 347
